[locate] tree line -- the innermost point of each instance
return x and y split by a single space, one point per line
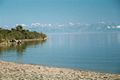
19 33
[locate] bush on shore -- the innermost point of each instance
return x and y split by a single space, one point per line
19 33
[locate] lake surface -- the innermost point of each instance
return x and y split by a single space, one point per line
87 51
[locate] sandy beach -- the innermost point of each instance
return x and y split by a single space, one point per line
15 71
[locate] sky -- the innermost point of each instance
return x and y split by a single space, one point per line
59 11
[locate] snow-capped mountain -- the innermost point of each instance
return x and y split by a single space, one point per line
76 27
71 27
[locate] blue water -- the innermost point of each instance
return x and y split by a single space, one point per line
87 51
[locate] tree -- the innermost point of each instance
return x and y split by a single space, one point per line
12 29
19 33
19 28
0 38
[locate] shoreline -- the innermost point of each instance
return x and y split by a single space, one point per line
17 71
8 43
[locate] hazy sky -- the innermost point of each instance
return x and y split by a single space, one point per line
59 11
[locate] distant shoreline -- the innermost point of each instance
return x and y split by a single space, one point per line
15 71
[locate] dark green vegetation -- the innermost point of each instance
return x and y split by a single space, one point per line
19 33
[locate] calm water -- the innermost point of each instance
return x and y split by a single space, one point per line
88 51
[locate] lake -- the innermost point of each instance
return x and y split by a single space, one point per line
86 51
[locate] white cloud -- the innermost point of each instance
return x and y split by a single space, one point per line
108 27
17 24
6 26
118 26
113 26
41 25
49 24
22 25
60 25
70 23
35 24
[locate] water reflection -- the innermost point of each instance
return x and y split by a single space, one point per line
19 48
89 51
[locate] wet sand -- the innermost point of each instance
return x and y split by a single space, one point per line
15 71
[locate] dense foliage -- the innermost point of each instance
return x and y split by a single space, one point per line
19 33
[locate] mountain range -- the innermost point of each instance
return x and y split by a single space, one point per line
71 27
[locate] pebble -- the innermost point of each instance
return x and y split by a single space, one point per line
15 71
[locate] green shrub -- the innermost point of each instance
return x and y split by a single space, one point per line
19 33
